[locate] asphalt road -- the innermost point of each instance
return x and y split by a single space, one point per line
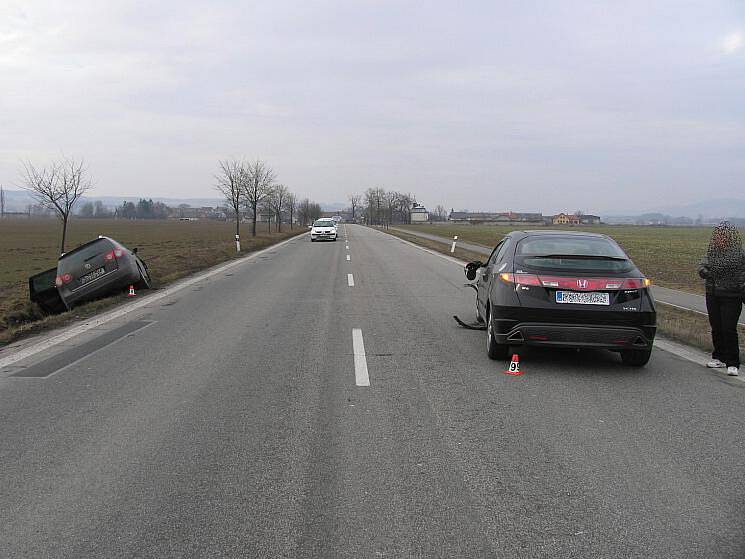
229 420
674 297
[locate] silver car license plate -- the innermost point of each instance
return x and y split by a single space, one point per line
583 298
92 275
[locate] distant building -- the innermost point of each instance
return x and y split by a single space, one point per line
565 219
589 219
495 217
419 214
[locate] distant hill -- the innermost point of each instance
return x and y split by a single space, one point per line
708 209
718 207
18 200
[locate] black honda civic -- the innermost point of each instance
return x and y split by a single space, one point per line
564 289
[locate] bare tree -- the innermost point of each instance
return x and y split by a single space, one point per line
405 203
257 184
374 201
303 211
57 187
277 201
354 200
440 212
230 184
291 206
390 203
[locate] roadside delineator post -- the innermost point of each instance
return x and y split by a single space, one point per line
514 369
131 291
452 248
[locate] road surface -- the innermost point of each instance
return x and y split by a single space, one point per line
242 417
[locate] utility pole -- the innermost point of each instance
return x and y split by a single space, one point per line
2 202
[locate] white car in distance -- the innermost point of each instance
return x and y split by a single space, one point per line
323 230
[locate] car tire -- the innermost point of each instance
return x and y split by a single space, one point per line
493 349
635 357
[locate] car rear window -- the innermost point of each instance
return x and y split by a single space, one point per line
76 259
572 253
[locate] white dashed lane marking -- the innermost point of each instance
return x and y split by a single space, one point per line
360 360
350 280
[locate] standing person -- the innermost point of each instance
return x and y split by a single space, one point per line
723 268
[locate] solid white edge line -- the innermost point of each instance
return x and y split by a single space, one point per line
681 350
132 306
350 280
361 376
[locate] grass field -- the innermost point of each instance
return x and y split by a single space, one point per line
667 255
171 249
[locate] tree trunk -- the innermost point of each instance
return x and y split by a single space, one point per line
64 234
253 227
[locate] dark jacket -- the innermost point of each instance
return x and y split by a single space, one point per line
731 285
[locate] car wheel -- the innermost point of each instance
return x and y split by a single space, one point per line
493 349
636 357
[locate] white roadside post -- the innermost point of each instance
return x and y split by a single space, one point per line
237 243
452 248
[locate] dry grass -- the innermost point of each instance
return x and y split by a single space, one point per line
668 255
172 250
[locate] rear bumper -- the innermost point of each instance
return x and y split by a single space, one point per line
601 336
113 281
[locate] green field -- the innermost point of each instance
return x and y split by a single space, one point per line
171 249
667 255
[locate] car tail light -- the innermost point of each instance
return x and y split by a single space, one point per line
575 283
63 279
520 279
116 253
637 283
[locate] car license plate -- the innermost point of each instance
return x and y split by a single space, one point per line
92 275
579 298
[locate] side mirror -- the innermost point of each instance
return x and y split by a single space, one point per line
134 250
471 268
310 227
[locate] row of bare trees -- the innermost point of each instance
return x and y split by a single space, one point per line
382 207
378 206
252 186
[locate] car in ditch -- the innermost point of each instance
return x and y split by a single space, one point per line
323 230
564 289
93 270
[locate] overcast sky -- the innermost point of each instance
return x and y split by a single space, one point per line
521 105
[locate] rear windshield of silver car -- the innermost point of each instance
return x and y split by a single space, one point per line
74 261
573 253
